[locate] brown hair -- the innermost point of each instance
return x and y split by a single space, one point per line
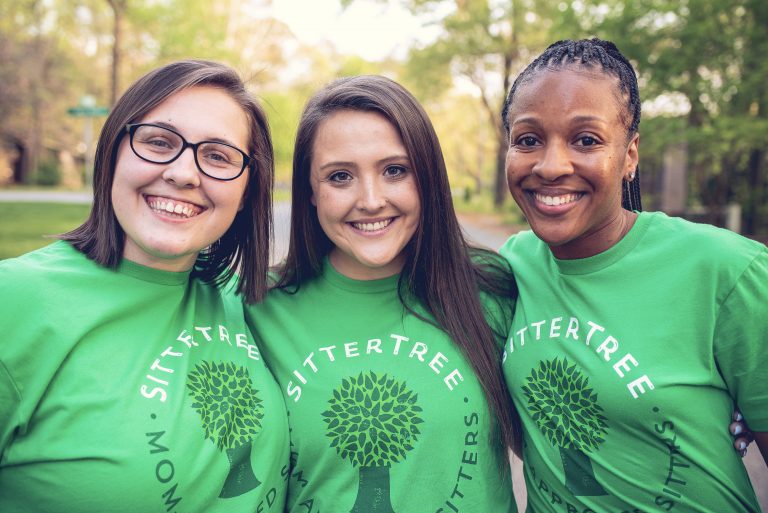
245 245
442 273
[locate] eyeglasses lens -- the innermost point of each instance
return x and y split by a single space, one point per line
160 145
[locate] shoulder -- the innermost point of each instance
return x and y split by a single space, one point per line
522 245
39 286
278 302
700 244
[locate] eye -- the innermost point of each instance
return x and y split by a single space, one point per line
586 140
157 143
219 155
340 177
395 171
526 141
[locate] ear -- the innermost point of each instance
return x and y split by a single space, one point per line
313 200
631 158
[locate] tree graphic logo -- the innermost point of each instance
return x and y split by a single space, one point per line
373 421
565 410
231 413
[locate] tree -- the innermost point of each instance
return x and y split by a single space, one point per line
712 55
42 73
565 410
486 42
373 421
118 11
231 413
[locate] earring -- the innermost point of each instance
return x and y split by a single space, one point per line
631 176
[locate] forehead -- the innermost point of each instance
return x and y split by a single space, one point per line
569 90
203 112
355 133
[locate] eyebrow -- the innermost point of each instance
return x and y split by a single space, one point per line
585 119
578 119
175 129
385 160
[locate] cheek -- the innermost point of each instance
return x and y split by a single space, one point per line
327 206
244 195
408 198
122 187
514 165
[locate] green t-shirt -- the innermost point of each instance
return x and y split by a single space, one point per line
625 367
385 413
131 390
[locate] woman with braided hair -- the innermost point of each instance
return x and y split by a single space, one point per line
635 333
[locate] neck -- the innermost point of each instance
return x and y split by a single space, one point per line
602 239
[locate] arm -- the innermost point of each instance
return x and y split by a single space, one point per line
739 346
762 442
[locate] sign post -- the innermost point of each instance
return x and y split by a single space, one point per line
87 109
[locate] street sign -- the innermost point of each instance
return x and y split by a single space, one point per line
88 109
88 112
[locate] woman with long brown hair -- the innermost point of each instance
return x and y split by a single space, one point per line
384 328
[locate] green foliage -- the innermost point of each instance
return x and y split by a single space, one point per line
229 407
373 420
47 173
711 54
283 110
564 407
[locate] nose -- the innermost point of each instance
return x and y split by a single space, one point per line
183 171
554 162
372 195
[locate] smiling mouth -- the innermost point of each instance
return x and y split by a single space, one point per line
373 226
557 200
173 208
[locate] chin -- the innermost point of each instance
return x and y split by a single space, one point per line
550 237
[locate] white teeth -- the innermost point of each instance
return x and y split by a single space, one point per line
556 200
372 227
172 207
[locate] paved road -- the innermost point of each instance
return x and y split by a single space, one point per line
47 196
481 230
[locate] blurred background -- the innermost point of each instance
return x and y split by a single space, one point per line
702 69
701 64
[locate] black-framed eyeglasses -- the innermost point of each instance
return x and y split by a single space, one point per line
160 145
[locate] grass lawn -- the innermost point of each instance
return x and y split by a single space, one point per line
24 225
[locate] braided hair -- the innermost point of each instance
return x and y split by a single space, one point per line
590 53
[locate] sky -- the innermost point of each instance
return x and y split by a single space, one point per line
373 30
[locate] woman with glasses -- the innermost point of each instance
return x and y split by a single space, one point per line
128 378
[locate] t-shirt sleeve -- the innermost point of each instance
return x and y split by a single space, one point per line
741 342
9 407
498 313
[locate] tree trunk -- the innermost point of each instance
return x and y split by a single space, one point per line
241 478
579 476
753 223
20 164
118 8
500 191
373 491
